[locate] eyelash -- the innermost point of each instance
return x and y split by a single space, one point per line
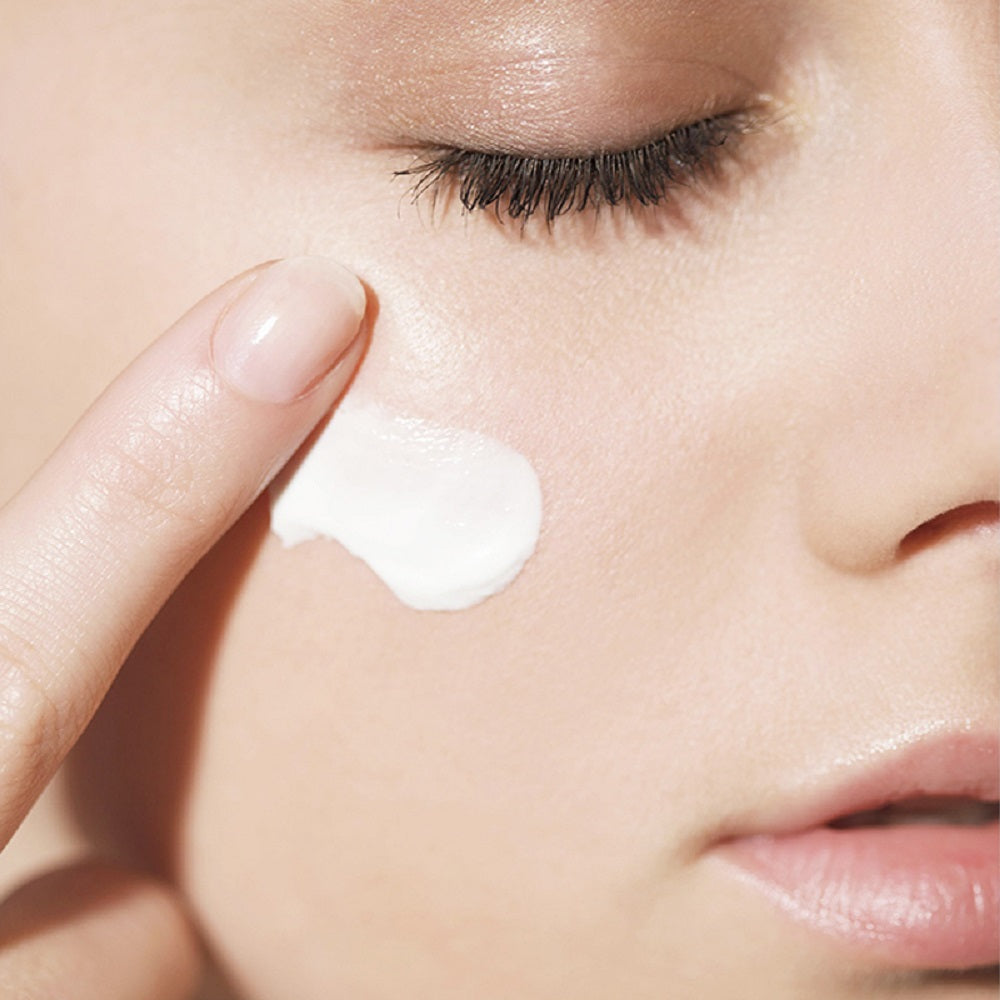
521 186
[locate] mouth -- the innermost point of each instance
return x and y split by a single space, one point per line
901 863
923 810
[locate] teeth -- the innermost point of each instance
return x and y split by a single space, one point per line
928 812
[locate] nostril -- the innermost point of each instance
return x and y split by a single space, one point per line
970 518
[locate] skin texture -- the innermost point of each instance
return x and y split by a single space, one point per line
92 546
745 408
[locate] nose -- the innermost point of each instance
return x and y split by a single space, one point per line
905 424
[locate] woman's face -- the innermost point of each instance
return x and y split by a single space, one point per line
763 417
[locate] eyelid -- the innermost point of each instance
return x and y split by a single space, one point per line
561 100
562 122
745 117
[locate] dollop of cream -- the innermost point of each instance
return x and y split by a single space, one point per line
446 517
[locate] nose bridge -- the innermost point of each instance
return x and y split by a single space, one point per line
908 427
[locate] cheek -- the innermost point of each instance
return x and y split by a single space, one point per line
287 716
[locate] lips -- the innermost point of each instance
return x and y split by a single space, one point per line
901 863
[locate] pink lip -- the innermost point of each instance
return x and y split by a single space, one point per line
921 896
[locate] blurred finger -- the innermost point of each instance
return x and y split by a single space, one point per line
95 932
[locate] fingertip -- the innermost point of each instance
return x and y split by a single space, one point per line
288 328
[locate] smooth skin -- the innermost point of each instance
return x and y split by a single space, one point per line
764 418
154 474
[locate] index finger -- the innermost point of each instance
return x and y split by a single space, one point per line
156 471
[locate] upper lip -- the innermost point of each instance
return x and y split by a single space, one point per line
956 764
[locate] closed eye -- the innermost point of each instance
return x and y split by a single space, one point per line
518 186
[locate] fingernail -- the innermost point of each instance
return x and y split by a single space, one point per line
288 328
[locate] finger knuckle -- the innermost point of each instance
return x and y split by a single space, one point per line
154 471
33 729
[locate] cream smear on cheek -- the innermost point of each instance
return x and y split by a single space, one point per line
445 517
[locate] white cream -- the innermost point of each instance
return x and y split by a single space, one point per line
445 517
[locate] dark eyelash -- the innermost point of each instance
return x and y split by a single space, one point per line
520 186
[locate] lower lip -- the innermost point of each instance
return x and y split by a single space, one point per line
918 896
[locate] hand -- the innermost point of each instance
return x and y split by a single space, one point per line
165 461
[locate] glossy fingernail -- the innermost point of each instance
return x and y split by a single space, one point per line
288 328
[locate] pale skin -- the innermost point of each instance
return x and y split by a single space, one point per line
764 417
